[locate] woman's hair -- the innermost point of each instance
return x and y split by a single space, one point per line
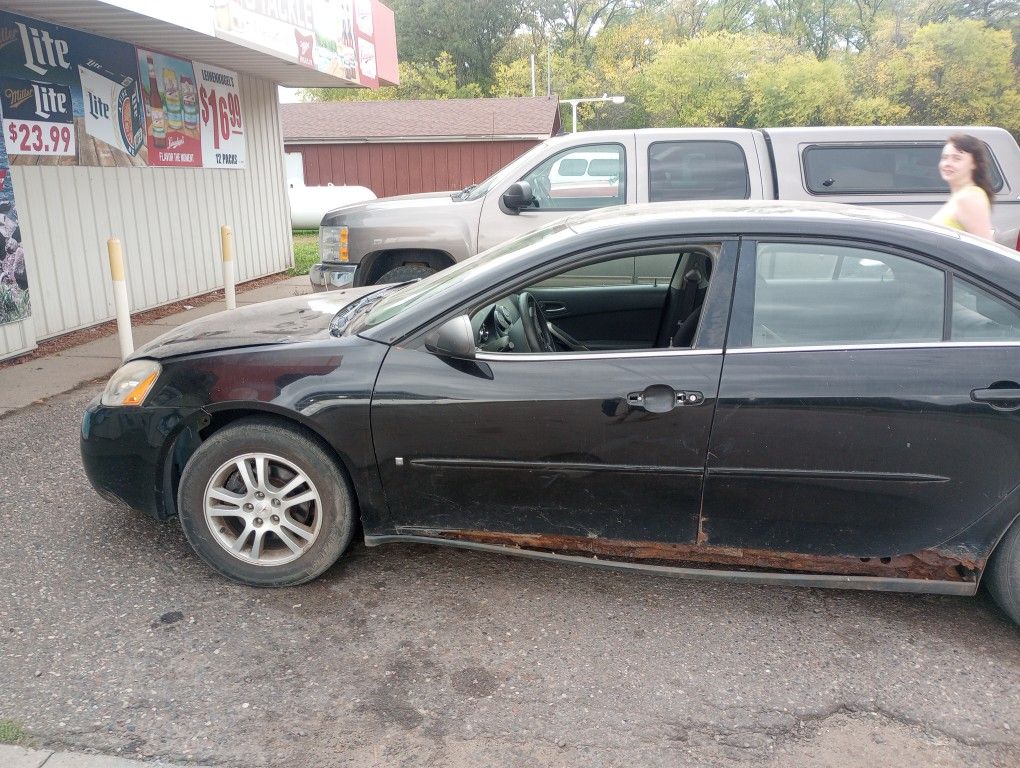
976 149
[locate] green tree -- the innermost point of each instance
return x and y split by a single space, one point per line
957 73
703 81
471 32
799 90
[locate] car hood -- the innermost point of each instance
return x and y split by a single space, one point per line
401 203
283 321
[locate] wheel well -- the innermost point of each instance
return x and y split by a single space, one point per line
188 440
376 265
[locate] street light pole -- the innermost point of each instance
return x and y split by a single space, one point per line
574 102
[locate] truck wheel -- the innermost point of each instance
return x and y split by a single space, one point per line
1003 574
404 273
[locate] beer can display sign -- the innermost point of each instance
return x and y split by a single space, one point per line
113 111
170 139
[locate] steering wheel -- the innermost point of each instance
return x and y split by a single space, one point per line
534 324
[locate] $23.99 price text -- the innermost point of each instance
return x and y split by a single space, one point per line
31 137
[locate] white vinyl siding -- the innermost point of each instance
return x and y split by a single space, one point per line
168 220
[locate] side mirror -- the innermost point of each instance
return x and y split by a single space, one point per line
517 196
454 338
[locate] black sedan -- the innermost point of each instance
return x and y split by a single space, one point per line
814 395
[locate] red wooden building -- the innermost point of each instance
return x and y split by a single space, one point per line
401 147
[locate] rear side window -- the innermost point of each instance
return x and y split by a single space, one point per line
808 294
697 170
878 169
979 316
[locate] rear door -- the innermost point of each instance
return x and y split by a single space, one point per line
856 415
713 164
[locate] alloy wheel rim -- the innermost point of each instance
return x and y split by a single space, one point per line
262 509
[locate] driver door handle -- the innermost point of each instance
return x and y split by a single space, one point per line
661 398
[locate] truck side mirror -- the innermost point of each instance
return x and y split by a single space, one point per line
517 196
454 338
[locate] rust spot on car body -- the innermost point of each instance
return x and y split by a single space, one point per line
927 564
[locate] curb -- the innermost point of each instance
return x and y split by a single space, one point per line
19 757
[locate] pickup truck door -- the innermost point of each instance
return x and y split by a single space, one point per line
710 164
578 178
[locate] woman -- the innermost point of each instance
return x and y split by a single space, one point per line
964 166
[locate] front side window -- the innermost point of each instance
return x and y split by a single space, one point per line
878 169
580 178
639 302
979 316
697 170
820 295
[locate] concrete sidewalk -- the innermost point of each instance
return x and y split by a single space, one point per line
42 377
19 757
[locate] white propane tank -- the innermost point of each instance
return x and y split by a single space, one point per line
309 204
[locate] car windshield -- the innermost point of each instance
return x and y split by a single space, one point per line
415 293
475 191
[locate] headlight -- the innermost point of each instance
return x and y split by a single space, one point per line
333 244
131 383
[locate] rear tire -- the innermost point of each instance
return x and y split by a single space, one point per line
405 272
1003 574
265 505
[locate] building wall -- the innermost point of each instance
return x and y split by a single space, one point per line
401 168
168 220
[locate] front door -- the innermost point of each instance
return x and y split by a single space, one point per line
593 450
853 419
579 178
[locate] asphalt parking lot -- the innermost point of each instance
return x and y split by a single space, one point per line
115 638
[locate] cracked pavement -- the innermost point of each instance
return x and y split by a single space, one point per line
115 638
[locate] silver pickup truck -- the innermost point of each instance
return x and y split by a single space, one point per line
895 167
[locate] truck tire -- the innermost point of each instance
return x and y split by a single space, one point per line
1003 574
404 273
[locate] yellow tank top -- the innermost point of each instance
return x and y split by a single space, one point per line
946 218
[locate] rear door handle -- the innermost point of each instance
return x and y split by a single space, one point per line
1002 395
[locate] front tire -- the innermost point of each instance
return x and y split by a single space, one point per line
1003 573
265 505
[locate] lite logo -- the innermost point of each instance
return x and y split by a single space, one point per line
49 100
97 107
42 51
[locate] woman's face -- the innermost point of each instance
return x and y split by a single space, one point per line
956 165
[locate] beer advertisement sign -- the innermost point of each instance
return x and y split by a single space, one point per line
37 118
171 131
67 96
221 119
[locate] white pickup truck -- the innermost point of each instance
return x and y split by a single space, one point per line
895 167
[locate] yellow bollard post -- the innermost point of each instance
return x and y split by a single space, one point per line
120 297
227 246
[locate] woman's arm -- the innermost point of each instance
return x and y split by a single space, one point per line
974 213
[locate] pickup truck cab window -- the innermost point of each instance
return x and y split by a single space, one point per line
580 178
697 170
879 169
820 295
